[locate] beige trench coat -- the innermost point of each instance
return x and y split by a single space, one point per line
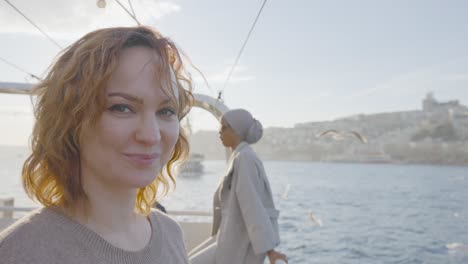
245 221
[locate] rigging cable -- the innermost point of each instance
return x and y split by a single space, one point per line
242 49
128 12
131 7
20 69
34 24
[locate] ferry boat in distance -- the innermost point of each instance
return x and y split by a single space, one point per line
193 167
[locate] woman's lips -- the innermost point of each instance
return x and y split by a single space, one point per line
143 159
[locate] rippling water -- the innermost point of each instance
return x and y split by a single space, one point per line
340 213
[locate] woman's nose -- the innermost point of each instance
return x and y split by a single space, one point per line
149 130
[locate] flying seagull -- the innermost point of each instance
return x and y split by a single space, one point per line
340 135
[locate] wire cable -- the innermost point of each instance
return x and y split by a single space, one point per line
131 7
128 12
34 24
20 69
242 48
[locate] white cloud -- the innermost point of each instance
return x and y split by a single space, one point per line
62 18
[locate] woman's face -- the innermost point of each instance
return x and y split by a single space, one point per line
228 137
136 134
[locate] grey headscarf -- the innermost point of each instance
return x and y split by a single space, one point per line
246 127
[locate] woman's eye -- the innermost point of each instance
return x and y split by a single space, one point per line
168 112
121 108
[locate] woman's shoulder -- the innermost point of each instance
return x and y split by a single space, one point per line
247 153
28 236
165 222
170 234
168 231
28 226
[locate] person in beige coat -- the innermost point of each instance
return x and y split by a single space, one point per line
245 222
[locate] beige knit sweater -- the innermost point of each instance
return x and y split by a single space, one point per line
48 237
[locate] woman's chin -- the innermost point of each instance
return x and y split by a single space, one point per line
141 181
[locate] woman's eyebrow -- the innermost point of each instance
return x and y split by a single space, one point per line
127 96
167 101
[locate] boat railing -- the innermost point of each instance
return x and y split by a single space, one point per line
8 211
196 225
189 213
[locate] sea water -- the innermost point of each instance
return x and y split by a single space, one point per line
336 213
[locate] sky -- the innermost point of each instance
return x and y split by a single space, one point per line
306 60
